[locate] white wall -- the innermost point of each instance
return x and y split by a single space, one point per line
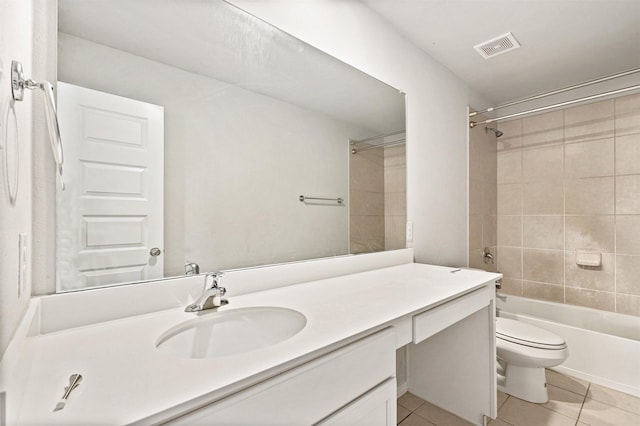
436 111
45 41
237 159
16 23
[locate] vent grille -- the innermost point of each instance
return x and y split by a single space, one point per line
497 46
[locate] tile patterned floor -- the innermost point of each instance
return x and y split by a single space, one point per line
572 402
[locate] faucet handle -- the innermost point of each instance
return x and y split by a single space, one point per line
214 281
487 256
211 296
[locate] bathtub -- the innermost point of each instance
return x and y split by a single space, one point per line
604 347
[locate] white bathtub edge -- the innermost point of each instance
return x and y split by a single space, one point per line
601 381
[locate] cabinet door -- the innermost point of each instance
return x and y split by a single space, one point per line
307 394
375 408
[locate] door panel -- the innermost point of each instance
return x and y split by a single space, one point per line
111 214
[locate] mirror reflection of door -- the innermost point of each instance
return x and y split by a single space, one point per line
110 217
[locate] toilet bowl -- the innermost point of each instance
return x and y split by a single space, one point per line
524 351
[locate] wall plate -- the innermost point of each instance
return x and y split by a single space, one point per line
17 81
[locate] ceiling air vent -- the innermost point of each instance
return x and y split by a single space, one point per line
497 46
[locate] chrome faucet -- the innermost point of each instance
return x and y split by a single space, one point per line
191 268
211 296
487 256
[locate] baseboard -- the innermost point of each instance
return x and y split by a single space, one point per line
402 388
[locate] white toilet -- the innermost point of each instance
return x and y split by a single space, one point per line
524 351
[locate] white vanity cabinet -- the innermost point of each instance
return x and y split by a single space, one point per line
451 364
352 385
340 369
453 356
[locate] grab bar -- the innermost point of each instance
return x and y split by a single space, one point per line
303 199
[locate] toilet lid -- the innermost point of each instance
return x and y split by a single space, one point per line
527 334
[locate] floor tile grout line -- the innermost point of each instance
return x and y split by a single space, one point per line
559 386
404 418
569 390
424 418
577 421
504 421
498 410
615 406
412 412
583 402
503 402
554 411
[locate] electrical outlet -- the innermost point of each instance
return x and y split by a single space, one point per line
22 263
409 231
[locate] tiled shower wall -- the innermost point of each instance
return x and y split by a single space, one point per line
366 201
377 197
569 181
395 197
482 196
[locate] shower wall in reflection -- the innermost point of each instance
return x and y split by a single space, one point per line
377 199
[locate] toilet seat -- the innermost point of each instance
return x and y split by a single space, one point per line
527 335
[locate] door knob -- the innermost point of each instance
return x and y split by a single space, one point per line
155 252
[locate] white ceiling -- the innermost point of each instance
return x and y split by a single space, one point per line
564 42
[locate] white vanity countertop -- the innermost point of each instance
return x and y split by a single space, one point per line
127 380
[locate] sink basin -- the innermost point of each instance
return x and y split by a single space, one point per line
218 334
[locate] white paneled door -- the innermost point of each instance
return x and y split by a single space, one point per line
110 216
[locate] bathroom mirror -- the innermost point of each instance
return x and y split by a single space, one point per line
191 130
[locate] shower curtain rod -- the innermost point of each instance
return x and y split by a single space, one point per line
473 124
555 92
382 145
374 138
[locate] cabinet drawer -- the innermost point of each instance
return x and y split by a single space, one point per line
309 393
437 319
378 407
